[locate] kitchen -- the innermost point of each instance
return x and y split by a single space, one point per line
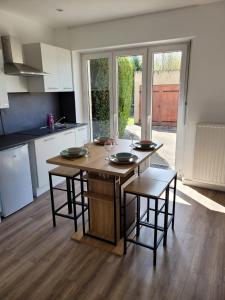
26 136
86 211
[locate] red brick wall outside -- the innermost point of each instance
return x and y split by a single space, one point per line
165 104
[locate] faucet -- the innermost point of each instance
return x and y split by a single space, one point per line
59 120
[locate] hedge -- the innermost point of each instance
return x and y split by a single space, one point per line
99 72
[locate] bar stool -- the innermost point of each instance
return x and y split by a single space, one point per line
169 176
71 175
151 184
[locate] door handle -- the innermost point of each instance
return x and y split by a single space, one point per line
49 139
149 120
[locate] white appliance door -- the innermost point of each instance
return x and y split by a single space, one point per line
15 179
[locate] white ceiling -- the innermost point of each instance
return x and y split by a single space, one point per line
79 12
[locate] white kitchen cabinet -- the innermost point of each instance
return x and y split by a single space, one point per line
81 134
49 55
4 101
56 62
65 69
41 150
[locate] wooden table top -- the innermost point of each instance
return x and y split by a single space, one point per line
96 162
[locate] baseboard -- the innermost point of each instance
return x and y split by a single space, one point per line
203 185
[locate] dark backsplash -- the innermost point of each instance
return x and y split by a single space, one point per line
27 110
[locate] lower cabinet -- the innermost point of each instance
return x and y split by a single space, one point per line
81 135
44 148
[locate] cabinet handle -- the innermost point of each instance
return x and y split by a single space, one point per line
52 88
80 129
66 133
49 139
67 88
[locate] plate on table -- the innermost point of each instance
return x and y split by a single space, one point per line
74 152
145 145
101 140
113 158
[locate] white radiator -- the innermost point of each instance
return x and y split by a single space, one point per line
209 161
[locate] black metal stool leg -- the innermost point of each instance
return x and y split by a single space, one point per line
68 187
52 200
166 216
82 200
174 200
155 232
138 217
124 225
148 207
74 205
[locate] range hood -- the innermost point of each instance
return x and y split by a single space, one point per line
13 59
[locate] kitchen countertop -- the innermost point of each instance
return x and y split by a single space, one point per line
13 140
23 137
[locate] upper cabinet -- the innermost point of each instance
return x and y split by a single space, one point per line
65 69
4 101
54 61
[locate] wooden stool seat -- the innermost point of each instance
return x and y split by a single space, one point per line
65 172
160 174
145 186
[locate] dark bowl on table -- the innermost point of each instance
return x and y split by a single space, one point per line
124 156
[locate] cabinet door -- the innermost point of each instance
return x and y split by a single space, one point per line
48 147
68 139
50 66
81 136
45 148
4 102
65 70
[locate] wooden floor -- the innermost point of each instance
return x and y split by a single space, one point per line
39 262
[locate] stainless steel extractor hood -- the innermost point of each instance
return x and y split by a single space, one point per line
13 59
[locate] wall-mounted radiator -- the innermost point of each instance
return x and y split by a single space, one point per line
209 161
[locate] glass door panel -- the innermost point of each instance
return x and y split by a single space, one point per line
165 98
99 96
130 96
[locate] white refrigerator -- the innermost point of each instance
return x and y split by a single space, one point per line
15 179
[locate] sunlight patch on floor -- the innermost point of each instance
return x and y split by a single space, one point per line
179 199
203 200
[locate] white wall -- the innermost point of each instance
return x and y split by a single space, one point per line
26 30
205 24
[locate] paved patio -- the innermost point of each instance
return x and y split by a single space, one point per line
167 136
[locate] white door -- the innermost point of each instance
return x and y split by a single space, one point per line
97 89
129 114
167 73
15 179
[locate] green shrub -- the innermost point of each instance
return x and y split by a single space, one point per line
99 71
126 86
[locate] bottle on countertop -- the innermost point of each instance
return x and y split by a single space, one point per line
50 121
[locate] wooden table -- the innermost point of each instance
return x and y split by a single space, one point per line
104 184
